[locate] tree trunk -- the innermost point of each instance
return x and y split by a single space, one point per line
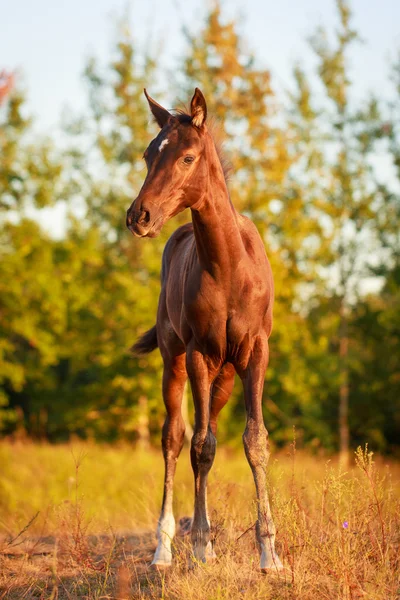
344 436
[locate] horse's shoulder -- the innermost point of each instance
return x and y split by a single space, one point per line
182 233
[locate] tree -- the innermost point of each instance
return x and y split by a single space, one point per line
375 378
337 174
70 308
106 149
258 146
30 177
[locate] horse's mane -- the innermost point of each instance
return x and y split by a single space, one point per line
215 129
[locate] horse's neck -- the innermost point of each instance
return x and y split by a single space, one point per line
216 230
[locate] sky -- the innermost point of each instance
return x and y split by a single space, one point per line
49 41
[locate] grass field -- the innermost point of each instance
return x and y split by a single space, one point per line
78 521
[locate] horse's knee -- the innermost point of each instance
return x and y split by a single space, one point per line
203 450
256 445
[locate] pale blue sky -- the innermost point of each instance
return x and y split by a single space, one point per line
49 40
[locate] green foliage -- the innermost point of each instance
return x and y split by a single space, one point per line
70 308
29 171
336 144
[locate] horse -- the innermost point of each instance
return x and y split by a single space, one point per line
214 315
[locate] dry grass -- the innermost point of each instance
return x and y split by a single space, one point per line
79 524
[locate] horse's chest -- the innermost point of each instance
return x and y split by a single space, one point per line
224 323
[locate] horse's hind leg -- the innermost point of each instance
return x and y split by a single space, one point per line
255 439
173 432
220 393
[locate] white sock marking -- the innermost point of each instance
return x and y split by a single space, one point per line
165 534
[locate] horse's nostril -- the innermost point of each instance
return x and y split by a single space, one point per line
144 217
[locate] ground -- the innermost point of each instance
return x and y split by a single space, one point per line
78 521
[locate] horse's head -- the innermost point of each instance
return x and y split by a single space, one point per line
176 176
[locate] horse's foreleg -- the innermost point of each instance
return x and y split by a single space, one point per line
173 432
202 450
255 439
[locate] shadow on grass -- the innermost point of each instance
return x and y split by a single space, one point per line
97 566
117 567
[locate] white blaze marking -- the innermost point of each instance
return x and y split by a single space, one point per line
163 144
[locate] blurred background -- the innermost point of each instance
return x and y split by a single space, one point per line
308 96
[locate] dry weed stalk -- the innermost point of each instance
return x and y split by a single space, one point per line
365 463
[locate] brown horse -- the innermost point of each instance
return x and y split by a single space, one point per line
214 314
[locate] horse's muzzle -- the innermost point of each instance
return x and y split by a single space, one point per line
138 222
141 224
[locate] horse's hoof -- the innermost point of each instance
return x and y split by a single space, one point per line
185 526
270 564
162 558
272 570
161 565
210 552
194 563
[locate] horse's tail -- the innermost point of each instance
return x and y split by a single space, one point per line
146 343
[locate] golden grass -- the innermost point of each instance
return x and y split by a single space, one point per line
90 513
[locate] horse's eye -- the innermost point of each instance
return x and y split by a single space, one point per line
188 159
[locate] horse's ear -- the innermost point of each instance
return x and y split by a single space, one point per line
160 114
198 108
